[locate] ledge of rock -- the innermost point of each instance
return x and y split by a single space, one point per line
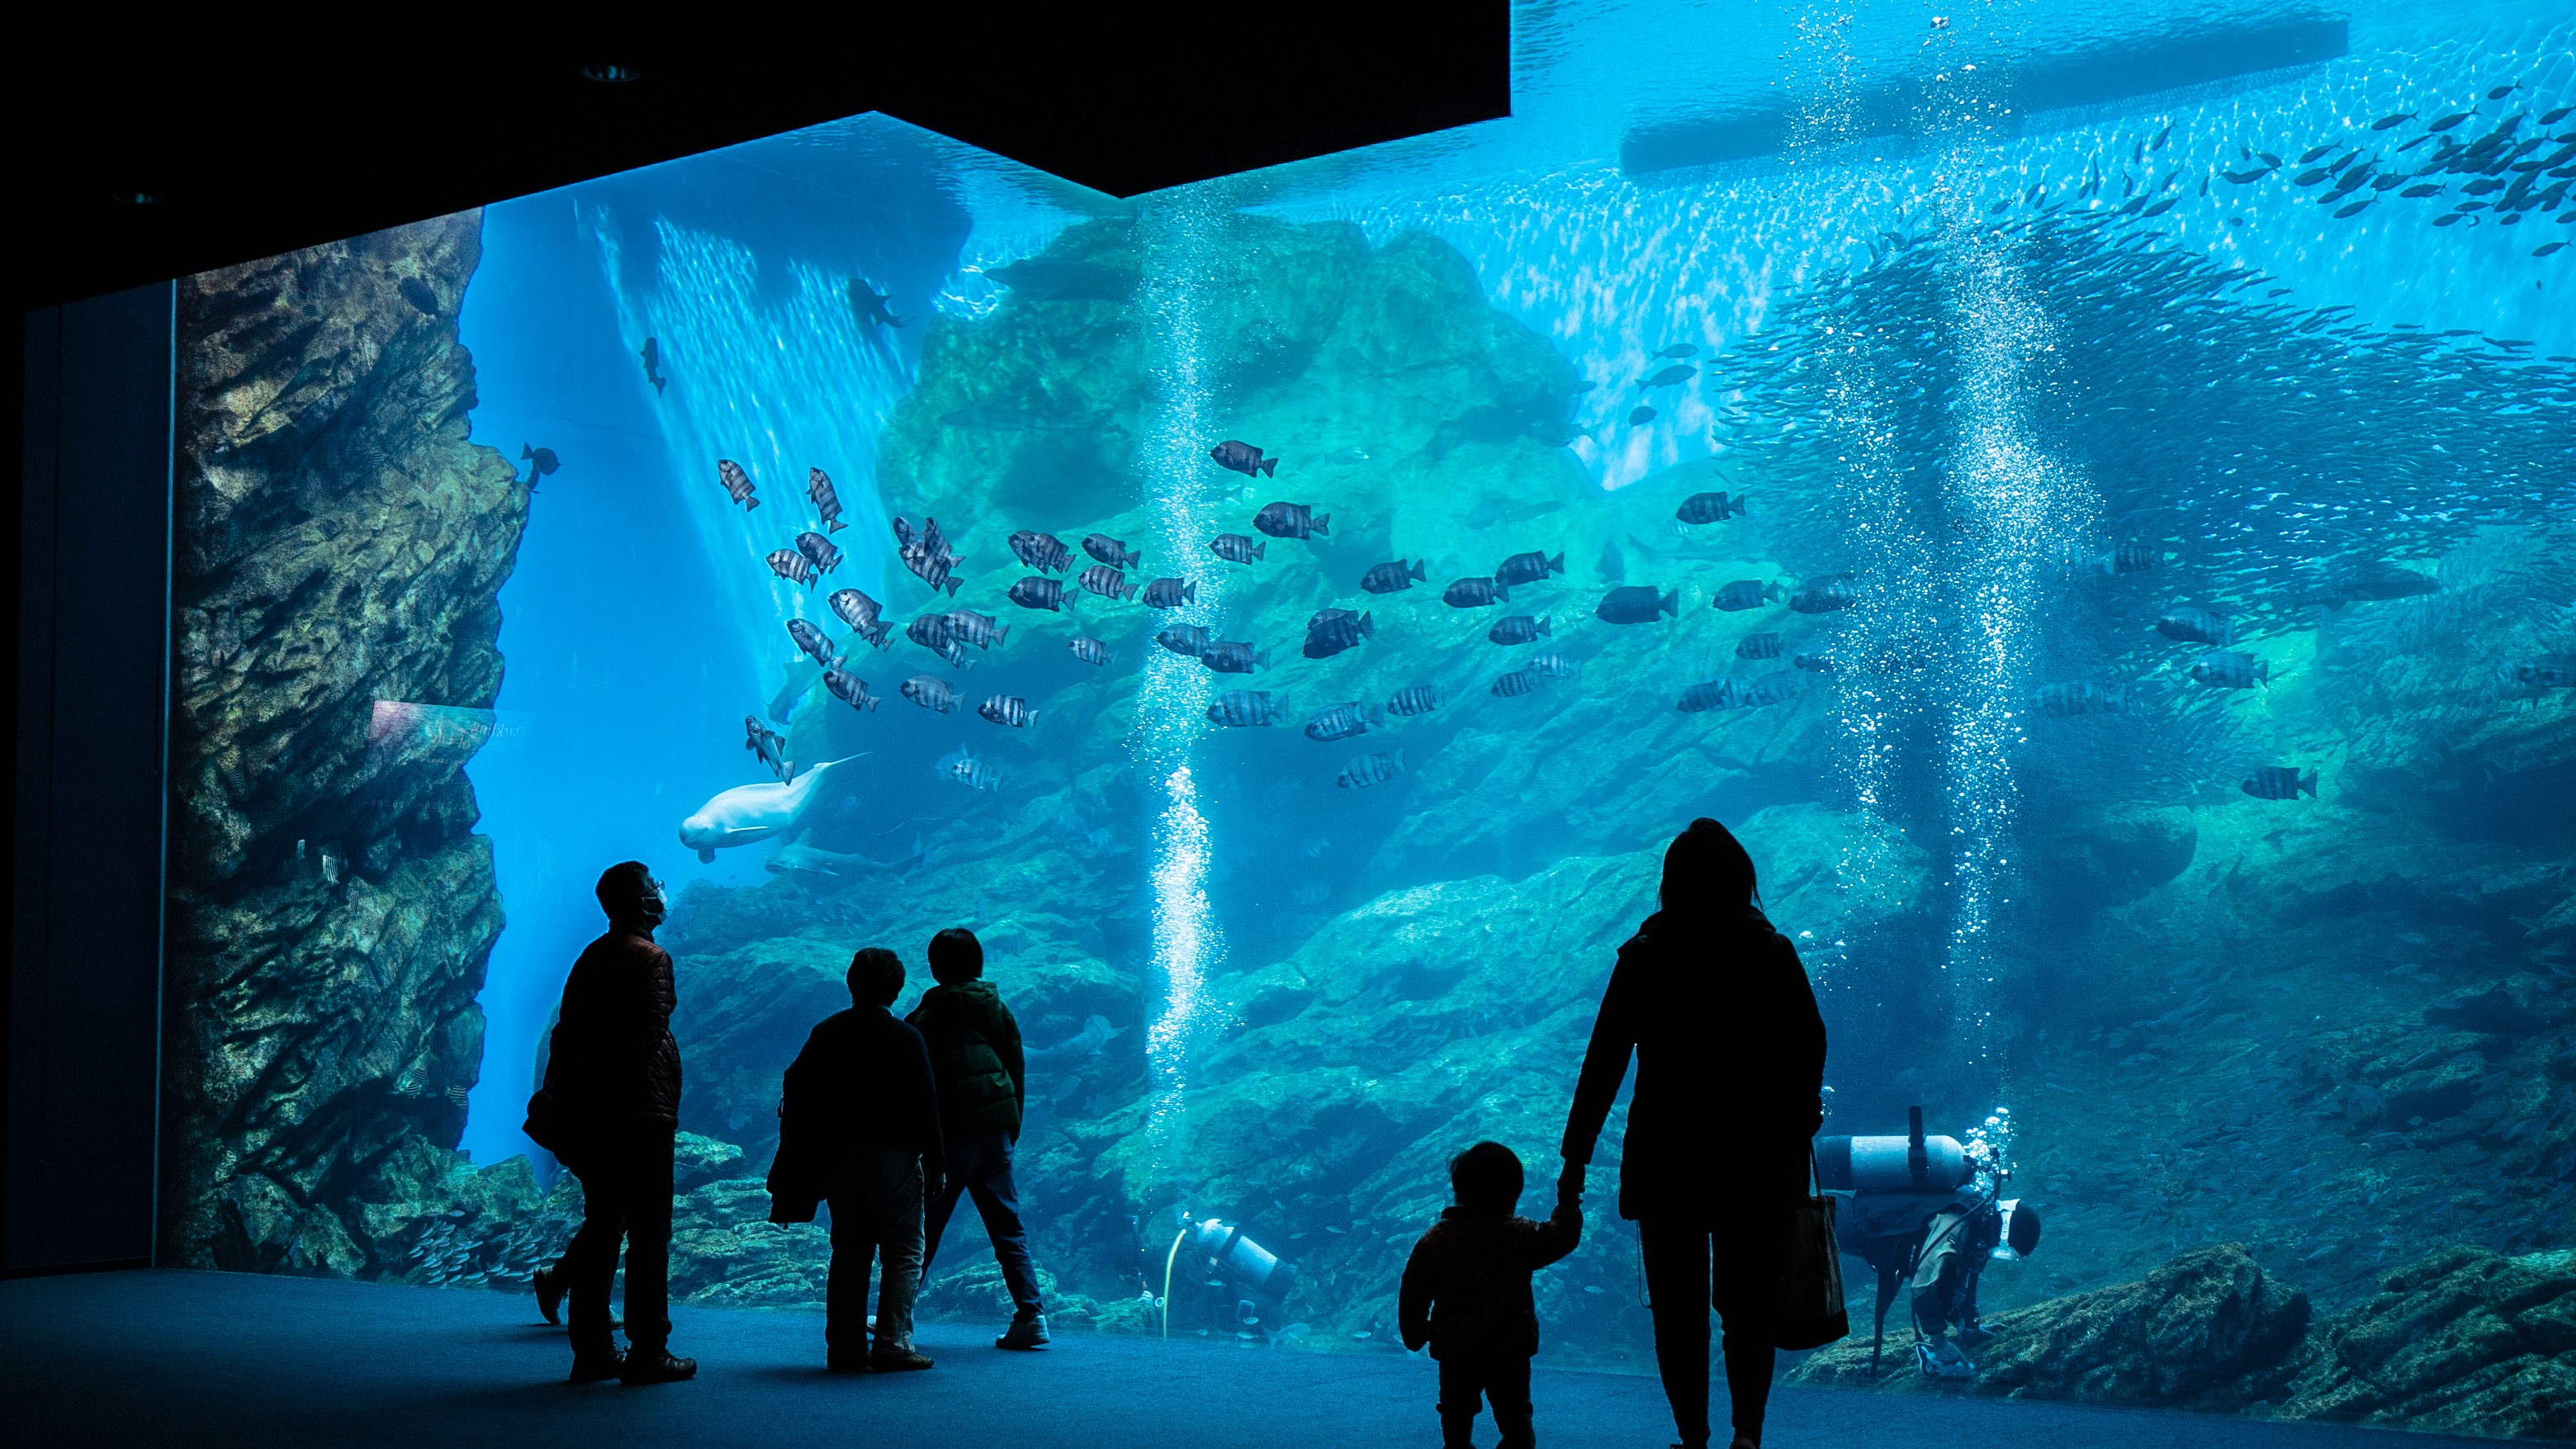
2465 1341
2209 1330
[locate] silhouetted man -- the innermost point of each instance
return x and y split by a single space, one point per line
983 1081
858 1123
1716 1009
609 1110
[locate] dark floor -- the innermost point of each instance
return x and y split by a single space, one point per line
207 1360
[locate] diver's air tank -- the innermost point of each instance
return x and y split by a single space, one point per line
1912 1163
1243 1260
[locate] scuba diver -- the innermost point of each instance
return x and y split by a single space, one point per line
1919 1218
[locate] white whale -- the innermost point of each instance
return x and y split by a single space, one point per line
747 814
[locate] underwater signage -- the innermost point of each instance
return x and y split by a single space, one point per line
2110 566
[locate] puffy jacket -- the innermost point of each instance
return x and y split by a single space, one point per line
975 1053
614 1068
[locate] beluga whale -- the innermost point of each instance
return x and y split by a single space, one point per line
747 814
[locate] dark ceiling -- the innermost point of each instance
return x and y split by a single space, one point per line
247 150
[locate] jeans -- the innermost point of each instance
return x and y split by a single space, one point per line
982 1166
625 1193
1741 1281
1503 1381
876 1213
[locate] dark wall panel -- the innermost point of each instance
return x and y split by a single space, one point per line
93 637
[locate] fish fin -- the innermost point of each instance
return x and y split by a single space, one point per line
1269 467
706 856
1503 592
1259 548
1417 568
1556 565
524 453
2309 784
1671 603
833 525
1542 625
749 504
1399 757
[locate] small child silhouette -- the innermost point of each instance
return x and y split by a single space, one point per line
1466 1293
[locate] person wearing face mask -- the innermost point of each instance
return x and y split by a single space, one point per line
609 1110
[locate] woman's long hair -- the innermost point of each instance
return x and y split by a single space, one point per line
1707 873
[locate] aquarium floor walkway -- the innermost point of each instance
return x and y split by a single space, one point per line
217 1359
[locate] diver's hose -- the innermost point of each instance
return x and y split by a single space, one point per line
1169 1259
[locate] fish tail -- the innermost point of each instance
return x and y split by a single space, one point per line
1417 568
524 451
1260 548
1556 565
1269 467
749 504
2308 782
1399 760
1190 591
1503 592
833 525
1323 524
1542 624
1671 603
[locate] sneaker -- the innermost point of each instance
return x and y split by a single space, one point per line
550 1294
656 1366
897 1360
1026 1331
596 1364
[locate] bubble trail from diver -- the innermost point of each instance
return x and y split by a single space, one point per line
2017 506
1172 698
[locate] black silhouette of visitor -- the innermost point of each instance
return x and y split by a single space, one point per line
983 1082
609 1110
1730 1072
858 1124
1466 1294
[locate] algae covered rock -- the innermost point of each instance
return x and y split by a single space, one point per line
2466 1341
2208 1330
340 550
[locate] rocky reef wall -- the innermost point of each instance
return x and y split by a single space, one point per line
340 550
2463 1341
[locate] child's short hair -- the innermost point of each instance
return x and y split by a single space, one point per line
876 976
1486 1178
955 956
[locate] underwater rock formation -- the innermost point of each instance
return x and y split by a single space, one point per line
2464 1341
340 549
2209 1330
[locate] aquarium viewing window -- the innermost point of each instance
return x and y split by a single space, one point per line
2083 491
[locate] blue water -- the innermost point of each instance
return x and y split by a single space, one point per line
1965 311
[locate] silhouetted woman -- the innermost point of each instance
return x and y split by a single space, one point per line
1730 1070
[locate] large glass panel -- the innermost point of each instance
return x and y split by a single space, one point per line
2081 491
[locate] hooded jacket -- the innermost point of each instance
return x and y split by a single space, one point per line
1730 1056
975 1054
614 1069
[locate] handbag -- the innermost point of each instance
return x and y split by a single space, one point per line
1811 1274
